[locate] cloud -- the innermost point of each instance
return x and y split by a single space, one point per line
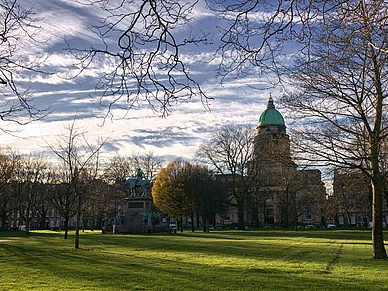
237 101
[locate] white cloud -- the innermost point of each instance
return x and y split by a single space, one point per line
180 134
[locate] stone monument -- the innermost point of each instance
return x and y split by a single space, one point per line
138 212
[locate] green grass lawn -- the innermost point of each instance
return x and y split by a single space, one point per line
220 260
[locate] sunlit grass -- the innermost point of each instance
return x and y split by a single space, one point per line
221 260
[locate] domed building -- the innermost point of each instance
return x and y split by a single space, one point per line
283 195
271 116
271 143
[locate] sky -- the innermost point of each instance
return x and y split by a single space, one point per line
236 100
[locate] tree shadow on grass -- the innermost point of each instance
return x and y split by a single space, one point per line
252 260
107 271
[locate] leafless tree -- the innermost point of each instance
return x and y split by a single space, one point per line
29 183
308 196
255 33
49 181
149 163
19 33
102 200
139 40
63 199
208 194
340 93
289 185
351 189
337 79
8 160
120 168
80 164
229 154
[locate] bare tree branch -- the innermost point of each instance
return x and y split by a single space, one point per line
19 32
144 54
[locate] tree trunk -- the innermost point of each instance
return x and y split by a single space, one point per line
27 220
257 215
241 216
295 211
205 223
83 220
3 221
379 251
77 222
76 240
42 222
192 222
99 223
348 219
66 227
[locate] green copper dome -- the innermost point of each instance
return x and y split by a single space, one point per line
271 116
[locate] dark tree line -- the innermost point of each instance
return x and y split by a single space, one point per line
32 188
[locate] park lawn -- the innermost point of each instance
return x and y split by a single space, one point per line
220 260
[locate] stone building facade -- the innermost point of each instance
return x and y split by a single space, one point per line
283 195
350 205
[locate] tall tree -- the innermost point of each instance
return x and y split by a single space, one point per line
8 161
122 167
337 77
80 163
103 199
341 95
119 168
30 179
63 199
208 194
171 190
229 154
44 195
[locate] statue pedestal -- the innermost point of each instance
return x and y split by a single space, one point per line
137 214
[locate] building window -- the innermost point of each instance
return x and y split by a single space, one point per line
353 220
307 213
269 211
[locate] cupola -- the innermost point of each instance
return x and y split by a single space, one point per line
271 116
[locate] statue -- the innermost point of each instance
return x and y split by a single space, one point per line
118 220
158 217
139 186
147 218
139 175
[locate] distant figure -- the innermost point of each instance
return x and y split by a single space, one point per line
118 218
139 175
